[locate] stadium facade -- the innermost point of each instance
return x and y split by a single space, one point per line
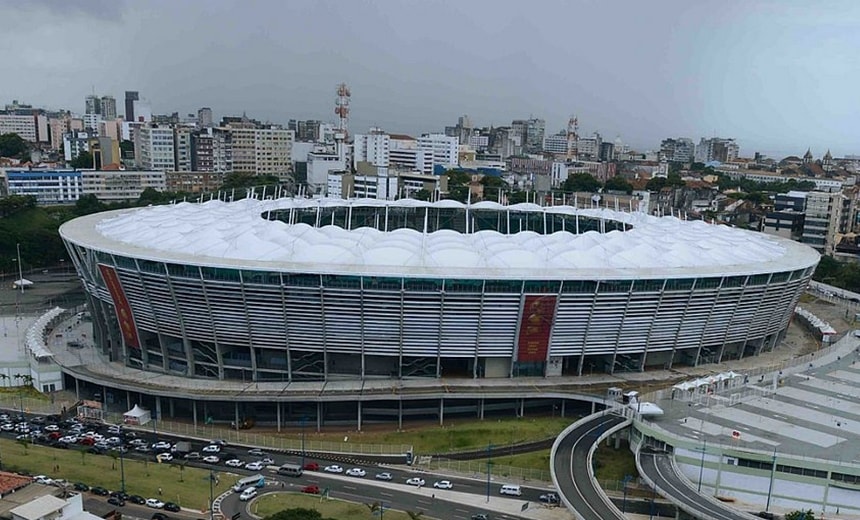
293 290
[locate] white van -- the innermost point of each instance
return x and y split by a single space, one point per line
511 489
248 494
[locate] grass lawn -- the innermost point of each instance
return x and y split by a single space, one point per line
271 503
460 435
188 487
612 464
534 460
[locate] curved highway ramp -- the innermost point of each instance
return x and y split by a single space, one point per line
571 470
660 471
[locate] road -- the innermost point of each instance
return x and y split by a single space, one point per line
658 468
574 474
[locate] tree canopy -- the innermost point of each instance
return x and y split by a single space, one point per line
297 513
581 182
13 145
82 161
618 183
800 515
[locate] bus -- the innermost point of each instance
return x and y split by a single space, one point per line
252 481
290 470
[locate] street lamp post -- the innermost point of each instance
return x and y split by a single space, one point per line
489 463
770 487
121 461
304 421
211 495
20 268
702 463
625 481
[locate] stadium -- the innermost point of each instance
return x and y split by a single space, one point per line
299 290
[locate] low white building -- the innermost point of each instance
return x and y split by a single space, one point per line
49 507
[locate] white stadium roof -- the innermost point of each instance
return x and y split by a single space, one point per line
222 234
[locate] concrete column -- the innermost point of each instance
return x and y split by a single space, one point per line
77 390
128 400
522 407
278 414
481 410
194 412
719 474
158 416
593 407
563 402
400 415
359 416
236 413
441 411
170 406
319 416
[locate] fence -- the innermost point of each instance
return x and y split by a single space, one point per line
478 469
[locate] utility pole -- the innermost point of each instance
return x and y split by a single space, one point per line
489 463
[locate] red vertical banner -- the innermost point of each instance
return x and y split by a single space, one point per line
535 328
120 304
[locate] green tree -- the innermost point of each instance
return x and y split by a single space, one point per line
421 194
675 180
618 183
88 204
656 183
296 513
800 515
458 178
581 182
13 145
82 161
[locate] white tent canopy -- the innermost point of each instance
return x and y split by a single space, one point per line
136 415
708 383
23 282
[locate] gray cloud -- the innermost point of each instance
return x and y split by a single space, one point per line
107 10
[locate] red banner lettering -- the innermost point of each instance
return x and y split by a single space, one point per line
535 328
120 304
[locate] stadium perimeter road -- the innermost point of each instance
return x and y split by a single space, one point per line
658 468
574 473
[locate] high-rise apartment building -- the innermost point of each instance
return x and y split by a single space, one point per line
92 104
532 132
107 108
556 143
182 148
211 150
443 148
130 97
372 147
264 150
204 117
23 125
716 149
157 151
680 150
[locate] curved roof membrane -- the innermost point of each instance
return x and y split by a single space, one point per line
237 234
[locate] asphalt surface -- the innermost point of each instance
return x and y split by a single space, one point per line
658 467
574 474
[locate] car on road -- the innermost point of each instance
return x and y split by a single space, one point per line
159 516
136 499
211 459
161 445
254 466
170 506
334 468
480 516
443 484
143 449
235 463
356 472
549 498
194 455
256 452
415 481
80 486
212 448
384 476
42 479
98 490
164 457
155 503
248 494
267 461
311 466
116 501
311 490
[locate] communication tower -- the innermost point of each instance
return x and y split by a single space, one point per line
341 109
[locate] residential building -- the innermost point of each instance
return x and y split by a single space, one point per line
92 105
823 216
504 142
156 146
306 131
371 182
443 148
372 148
92 122
204 117
479 142
75 143
107 105
105 151
130 97
680 149
142 111
556 143
320 166
23 125
531 132
588 148
462 131
410 182
121 185
404 154
716 149
182 153
49 187
787 217
56 129
194 181
607 151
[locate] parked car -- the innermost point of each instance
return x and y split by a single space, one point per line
98 490
334 468
164 457
480 516
415 481
80 486
384 476
311 490
116 501
443 484
254 466
159 516
170 506
136 499
155 503
356 472
311 466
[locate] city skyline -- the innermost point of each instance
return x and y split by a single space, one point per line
768 74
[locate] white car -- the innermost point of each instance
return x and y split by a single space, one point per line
211 459
334 468
254 466
443 484
356 472
415 481
212 448
266 461
161 445
42 479
384 476
248 494
154 502
52 428
235 463
164 457
256 452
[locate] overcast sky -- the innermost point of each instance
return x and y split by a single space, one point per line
780 76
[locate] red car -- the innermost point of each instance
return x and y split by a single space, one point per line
87 441
311 490
54 435
311 466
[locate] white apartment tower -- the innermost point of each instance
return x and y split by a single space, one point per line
156 148
372 147
445 150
